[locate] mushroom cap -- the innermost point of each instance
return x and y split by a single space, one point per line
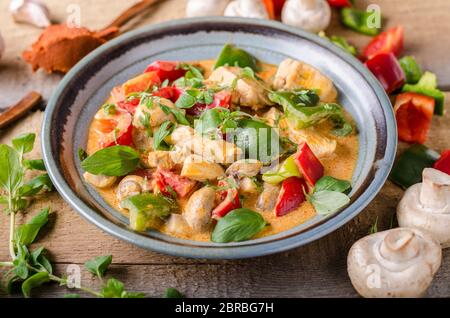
247 9
396 263
310 15
200 8
426 206
33 12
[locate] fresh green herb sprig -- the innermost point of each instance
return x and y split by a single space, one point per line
329 195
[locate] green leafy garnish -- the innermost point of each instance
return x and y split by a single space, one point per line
116 289
26 233
34 164
162 133
238 225
98 265
332 184
24 143
112 161
233 56
172 293
329 196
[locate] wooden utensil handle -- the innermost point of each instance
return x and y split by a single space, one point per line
130 13
20 109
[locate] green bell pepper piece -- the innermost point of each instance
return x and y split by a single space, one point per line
427 85
341 42
412 70
408 168
233 56
358 20
283 171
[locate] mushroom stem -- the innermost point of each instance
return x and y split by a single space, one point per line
400 245
435 190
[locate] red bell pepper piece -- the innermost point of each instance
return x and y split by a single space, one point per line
221 99
180 185
129 105
229 200
166 70
390 41
141 83
340 3
308 164
171 93
413 113
443 163
274 8
291 196
387 70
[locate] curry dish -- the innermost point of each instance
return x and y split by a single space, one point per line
222 150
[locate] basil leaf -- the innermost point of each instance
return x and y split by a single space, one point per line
82 154
209 121
233 56
295 98
328 202
146 207
177 113
238 225
35 185
98 265
186 101
39 260
332 184
115 289
71 296
11 173
172 293
158 139
24 143
112 161
34 281
35 164
26 233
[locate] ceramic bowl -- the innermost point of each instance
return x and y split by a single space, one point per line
87 85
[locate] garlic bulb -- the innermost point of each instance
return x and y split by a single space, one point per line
30 11
200 8
309 15
2 46
426 205
247 9
396 263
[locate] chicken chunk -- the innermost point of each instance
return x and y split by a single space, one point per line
248 92
160 159
293 74
99 181
152 115
197 211
196 168
245 168
268 197
218 151
248 185
321 145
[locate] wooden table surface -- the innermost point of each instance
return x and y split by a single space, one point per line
318 269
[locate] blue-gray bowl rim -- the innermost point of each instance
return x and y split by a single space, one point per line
213 251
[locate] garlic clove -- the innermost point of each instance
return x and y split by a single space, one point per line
201 8
309 15
247 9
31 12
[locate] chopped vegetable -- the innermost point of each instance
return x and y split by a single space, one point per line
169 183
443 164
274 8
343 44
167 70
387 70
408 168
233 56
291 196
413 113
238 225
308 164
168 92
390 41
229 200
358 21
340 3
146 207
411 68
427 85
283 171
141 83
114 129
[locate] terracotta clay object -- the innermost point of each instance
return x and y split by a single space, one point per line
60 47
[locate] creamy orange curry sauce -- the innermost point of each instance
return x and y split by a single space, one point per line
169 97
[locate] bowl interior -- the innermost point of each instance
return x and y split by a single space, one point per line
86 87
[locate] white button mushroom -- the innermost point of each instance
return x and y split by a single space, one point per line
200 8
309 15
130 186
426 206
33 12
247 9
396 263
99 181
197 211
